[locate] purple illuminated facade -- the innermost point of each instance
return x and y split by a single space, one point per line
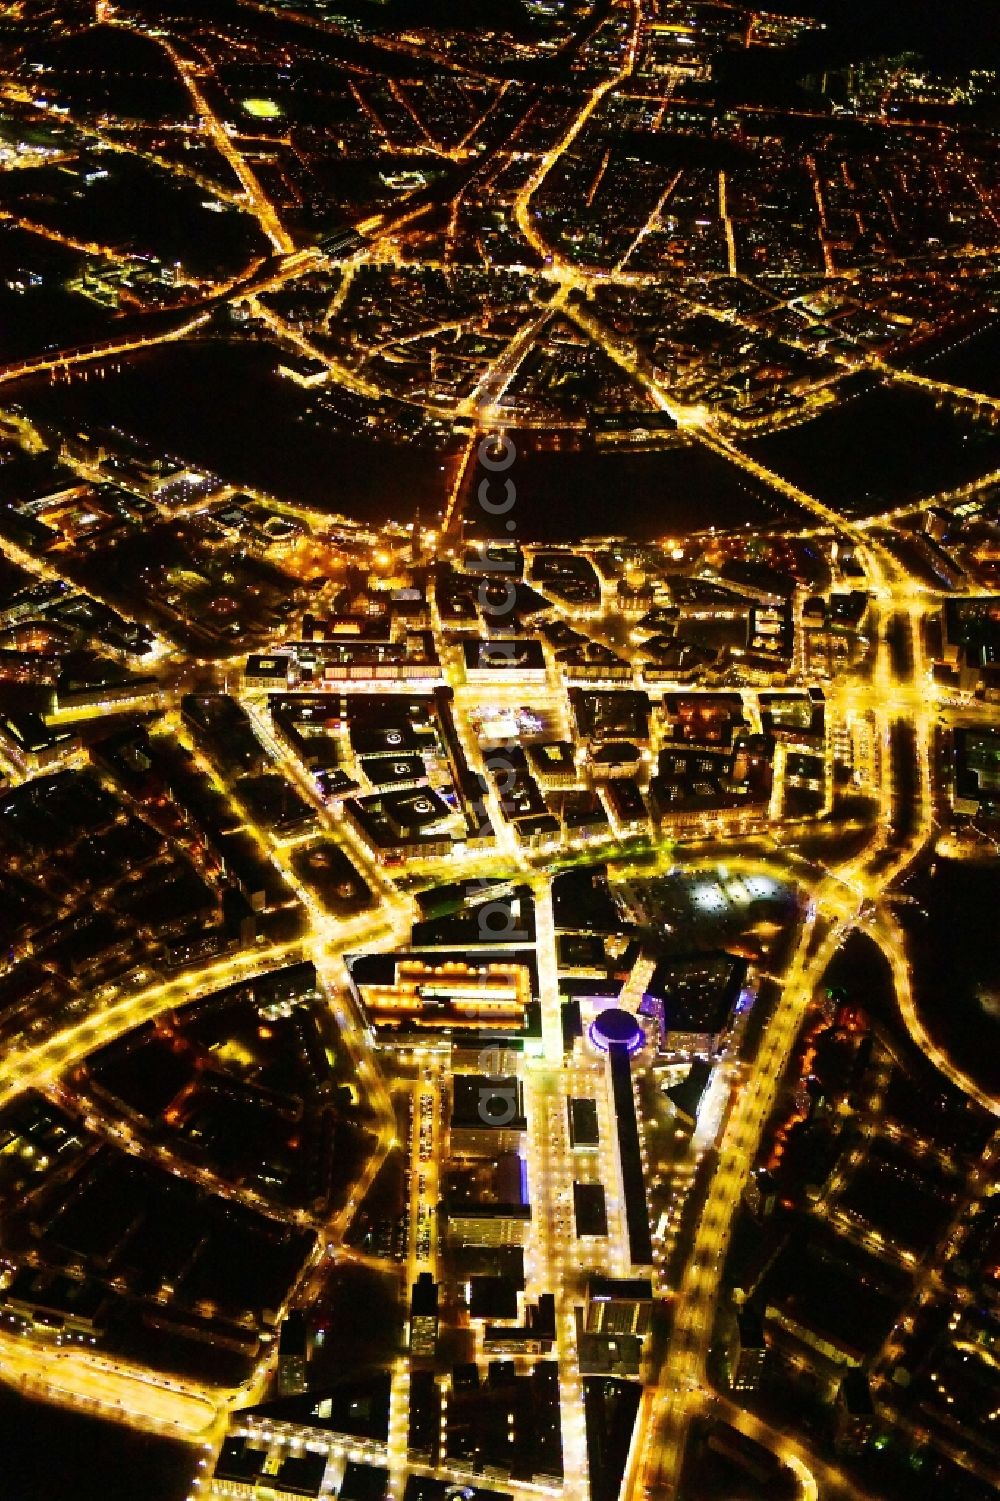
616 1028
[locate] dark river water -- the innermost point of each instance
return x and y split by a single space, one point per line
49 1452
221 405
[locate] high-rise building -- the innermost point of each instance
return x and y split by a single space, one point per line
746 1352
855 1414
424 1316
293 1356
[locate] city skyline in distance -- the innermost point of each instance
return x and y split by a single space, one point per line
499 750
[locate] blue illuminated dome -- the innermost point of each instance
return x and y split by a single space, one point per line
616 1028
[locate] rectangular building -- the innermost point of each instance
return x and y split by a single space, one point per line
631 1178
488 1224
584 1134
618 1305
424 1317
487 1114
